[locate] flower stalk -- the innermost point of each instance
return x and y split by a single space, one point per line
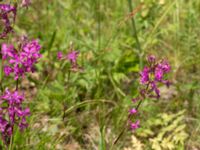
150 77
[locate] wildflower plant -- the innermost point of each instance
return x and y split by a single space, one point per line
7 18
21 60
12 113
25 3
151 77
71 57
17 58
8 14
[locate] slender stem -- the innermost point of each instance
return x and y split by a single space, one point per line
64 109
68 76
141 65
140 102
121 133
64 105
89 102
99 25
135 34
124 128
101 119
11 142
17 84
2 74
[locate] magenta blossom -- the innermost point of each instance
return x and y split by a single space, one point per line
144 76
165 66
135 125
7 17
151 58
7 70
21 61
7 51
132 111
154 74
25 3
72 56
159 74
150 77
12 113
59 55
134 100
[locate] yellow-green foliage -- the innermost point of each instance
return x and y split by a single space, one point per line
149 5
166 131
136 144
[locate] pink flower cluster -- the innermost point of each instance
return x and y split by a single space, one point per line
22 60
153 74
25 3
17 61
135 125
71 57
150 77
7 17
12 113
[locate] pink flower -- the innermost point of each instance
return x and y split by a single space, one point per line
159 74
7 70
72 56
144 75
5 11
134 100
135 125
150 77
7 51
12 113
59 55
155 89
21 62
25 3
165 66
151 58
132 111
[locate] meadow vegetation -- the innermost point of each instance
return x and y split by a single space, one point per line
86 107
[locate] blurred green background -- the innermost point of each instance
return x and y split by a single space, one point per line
88 109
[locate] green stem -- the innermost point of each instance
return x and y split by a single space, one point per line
11 143
99 25
64 109
1 80
68 76
141 65
64 104
124 127
17 84
135 34
89 102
